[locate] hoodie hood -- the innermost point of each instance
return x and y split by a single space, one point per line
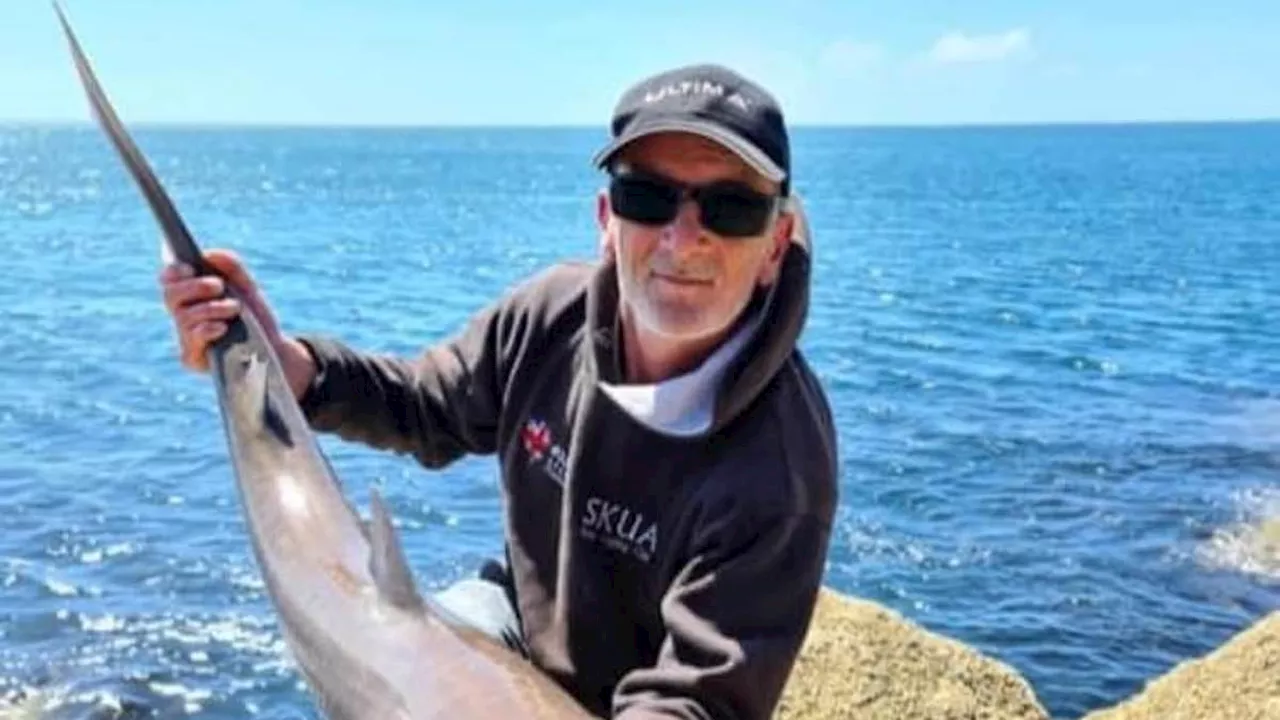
712 394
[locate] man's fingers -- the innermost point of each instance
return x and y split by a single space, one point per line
200 325
175 271
222 309
195 342
182 278
208 331
200 306
229 264
180 293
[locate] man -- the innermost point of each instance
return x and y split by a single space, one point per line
668 457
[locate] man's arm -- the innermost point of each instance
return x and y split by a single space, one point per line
736 617
437 407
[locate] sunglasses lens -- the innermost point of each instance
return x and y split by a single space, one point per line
644 200
733 211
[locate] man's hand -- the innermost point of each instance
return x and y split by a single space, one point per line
201 308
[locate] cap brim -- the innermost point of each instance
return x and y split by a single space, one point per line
749 153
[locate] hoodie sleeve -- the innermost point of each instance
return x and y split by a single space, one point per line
736 615
441 405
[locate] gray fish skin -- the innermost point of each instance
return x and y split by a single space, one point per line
369 645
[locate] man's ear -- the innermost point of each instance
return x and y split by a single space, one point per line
602 210
780 241
783 231
603 219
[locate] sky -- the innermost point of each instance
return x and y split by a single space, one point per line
556 62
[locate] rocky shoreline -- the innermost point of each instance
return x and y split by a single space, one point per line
862 660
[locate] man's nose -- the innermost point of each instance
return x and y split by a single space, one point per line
685 230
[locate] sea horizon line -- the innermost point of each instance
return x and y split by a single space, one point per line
88 123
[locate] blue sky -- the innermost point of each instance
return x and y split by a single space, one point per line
558 62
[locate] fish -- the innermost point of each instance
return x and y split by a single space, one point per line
368 644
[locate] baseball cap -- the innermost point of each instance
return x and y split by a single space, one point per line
708 100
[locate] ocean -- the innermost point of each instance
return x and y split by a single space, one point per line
1052 353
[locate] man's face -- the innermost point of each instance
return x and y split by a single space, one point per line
679 279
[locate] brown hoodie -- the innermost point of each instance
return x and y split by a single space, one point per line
663 566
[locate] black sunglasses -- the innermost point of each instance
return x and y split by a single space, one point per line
727 208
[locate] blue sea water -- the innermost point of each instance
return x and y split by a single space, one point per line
1052 353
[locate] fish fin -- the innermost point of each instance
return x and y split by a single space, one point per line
266 411
387 564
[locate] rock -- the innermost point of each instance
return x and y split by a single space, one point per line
862 660
1238 681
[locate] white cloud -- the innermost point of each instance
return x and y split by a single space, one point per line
959 48
846 58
